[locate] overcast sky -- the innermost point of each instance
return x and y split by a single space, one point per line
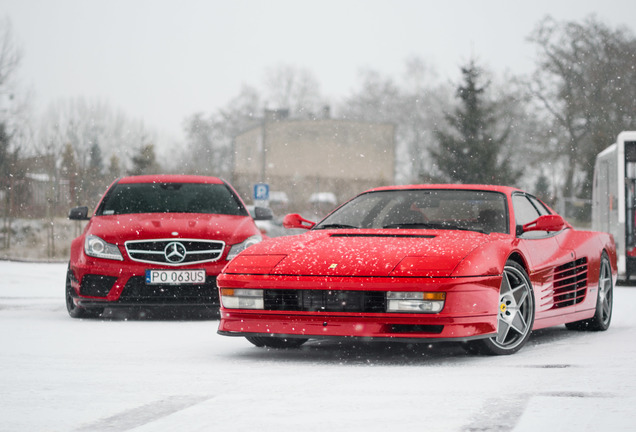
161 60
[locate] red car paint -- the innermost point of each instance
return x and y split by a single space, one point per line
117 229
465 264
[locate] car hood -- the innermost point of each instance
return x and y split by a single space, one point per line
370 253
118 229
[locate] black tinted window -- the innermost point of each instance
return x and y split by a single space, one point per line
171 198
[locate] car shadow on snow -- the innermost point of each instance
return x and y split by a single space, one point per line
185 313
356 352
556 335
359 351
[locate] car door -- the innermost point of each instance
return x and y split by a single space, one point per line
544 253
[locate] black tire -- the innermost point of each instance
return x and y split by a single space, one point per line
604 302
276 342
516 314
73 310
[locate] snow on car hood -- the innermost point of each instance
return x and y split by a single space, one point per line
120 228
359 253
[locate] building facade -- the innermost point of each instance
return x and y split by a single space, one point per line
307 157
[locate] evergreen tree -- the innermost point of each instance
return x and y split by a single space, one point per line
95 162
10 175
69 164
145 161
4 152
542 188
94 178
471 153
114 167
69 171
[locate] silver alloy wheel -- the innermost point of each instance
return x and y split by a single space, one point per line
605 293
604 301
516 309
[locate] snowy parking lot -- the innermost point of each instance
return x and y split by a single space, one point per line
143 374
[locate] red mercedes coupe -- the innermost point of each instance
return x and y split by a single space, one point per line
157 240
481 265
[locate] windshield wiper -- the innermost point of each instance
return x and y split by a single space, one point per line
421 225
459 228
424 225
335 226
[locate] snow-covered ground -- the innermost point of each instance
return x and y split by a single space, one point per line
118 374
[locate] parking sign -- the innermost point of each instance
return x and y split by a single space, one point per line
261 192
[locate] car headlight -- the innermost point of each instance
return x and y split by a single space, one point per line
240 247
242 298
415 302
98 248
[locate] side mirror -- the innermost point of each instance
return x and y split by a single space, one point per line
546 223
297 221
263 213
78 213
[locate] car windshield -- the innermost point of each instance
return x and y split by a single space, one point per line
483 211
125 198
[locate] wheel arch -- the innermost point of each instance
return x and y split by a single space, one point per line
519 259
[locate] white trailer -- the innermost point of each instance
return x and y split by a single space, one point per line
614 199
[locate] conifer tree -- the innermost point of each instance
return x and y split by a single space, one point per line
93 181
69 171
471 152
145 161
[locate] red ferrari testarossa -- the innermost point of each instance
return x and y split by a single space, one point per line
482 265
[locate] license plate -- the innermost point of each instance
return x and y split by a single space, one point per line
175 277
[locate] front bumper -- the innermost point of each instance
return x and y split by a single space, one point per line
377 328
470 310
157 296
123 284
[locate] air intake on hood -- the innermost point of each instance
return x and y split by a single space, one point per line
384 235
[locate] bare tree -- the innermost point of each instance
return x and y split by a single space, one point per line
93 132
293 88
10 53
414 104
10 57
209 142
586 81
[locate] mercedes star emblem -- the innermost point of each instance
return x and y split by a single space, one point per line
175 252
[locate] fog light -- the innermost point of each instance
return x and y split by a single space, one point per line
415 302
242 298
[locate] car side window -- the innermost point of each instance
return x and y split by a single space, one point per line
539 205
525 212
527 209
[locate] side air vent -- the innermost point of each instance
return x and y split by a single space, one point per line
570 283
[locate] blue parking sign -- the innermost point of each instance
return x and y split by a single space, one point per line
261 191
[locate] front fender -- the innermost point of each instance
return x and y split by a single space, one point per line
487 259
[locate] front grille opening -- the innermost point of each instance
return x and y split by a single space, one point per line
325 300
195 251
416 328
136 290
96 285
